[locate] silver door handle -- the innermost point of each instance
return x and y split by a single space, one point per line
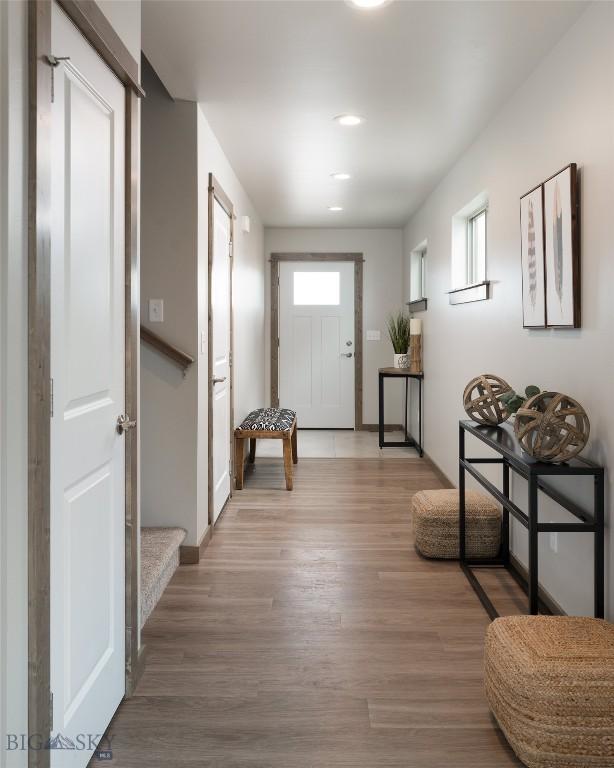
218 381
124 423
346 354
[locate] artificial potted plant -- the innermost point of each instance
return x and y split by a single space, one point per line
398 330
513 401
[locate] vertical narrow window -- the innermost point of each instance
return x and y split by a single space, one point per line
417 273
469 247
476 247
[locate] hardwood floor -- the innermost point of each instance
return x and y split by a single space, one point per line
313 636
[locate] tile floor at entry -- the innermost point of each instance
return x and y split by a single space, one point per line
312 635
339 444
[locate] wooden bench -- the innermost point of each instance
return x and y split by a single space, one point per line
268 424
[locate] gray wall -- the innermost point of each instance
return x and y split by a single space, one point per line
563 113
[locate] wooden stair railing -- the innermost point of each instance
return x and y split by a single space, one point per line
178 356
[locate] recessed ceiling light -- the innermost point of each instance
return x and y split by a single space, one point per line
368 3
341 176
335 208
348 119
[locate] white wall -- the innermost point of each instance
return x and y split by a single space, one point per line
169 241
179 151
248 296
383 294
13 380
563 113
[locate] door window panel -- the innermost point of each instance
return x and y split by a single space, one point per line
316 288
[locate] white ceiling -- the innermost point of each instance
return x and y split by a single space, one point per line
427 76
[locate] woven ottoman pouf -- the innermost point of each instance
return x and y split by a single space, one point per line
550 685
435 522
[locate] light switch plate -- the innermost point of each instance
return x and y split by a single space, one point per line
156 310
374 336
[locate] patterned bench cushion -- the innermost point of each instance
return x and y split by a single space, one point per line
269 420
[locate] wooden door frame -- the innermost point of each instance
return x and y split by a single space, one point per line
358 260
215 192
92 23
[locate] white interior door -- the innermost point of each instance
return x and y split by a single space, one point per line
316 342
87 366
220 332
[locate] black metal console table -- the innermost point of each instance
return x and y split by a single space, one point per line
502 440
409 441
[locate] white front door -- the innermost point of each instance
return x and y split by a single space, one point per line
220 358
87 367
316 342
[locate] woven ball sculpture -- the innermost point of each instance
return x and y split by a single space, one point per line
482 399
552 427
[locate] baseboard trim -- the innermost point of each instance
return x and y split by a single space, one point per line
375 428
189 554
137 673
520 573
441 475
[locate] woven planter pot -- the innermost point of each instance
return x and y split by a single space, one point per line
435 522
550 685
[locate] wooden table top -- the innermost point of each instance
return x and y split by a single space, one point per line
400 372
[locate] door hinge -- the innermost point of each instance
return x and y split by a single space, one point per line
51 398
54 61
51 710
230 357
278 341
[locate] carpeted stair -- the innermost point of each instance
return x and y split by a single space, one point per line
159 561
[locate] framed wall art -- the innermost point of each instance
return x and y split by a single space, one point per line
532 257
562 248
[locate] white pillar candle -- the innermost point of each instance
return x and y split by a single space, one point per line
415 327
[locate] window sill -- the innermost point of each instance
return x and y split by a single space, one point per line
469 293
419 305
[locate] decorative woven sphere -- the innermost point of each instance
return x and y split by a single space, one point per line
552 427
482 399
